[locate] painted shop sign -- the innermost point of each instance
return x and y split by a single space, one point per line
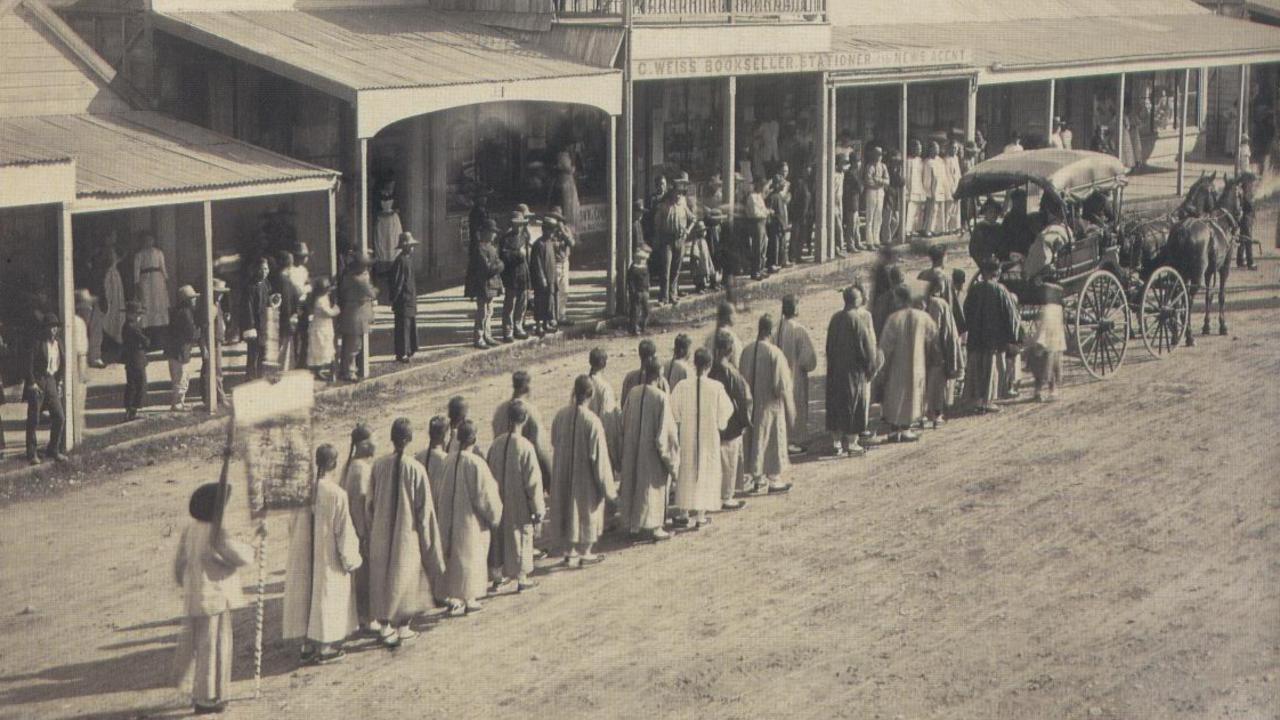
853 60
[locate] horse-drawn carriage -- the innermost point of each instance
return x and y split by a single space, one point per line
1111 293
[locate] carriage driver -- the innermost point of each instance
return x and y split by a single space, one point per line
1052 238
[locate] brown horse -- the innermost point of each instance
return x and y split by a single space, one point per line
1200 246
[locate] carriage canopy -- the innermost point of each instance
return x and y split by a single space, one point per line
1064 173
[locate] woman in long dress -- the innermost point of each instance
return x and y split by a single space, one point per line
320 335
151 283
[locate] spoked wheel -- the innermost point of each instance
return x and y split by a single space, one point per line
1162 314
1102 324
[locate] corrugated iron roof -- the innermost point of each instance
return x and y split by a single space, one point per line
378 48
1076 41
12 155
143 152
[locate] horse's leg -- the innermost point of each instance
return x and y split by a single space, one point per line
1191 296
1208 304
1223 272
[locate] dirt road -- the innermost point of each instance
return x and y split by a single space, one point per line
1114 555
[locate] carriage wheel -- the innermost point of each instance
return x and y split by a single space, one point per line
1162 314
1102 324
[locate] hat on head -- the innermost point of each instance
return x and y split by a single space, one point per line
407 240
523 209
715 181
301 250
990 204
322 284
186 292
519 218
50 320
681 179
488 226
133 306
220 285
84 297
555 213
641 252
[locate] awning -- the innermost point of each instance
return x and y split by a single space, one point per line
139 158
1039 49
397 62
34 176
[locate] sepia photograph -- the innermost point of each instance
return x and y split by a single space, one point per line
716 359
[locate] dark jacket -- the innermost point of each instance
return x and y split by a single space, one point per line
253 312
542 264
290 302
484 273
355 299
135 344
183 333
992 316
404 287
739 393
38 362
514 254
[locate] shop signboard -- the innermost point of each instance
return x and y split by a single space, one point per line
799 62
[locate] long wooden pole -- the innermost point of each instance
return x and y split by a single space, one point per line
823 174
1119 128
66 296
210 318
1241 116
363 214
1182 131
904 203
1049 128
613 298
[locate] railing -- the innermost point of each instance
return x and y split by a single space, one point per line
693 9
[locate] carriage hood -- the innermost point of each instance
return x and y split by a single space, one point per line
1065 173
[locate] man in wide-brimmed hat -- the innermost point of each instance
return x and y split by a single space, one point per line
565 240
671 223
46 366
183 338
513 249
214 354
404 298
484 282
135 345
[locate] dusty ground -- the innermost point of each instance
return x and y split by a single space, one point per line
1116 555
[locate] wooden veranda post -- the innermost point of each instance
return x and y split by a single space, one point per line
822 175
613 297
67 306
1182 131
729 162
362 213
1053 92
331 208
1118 131
210 317
1242 119
903 203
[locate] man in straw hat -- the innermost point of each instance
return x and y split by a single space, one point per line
404 299
183 338
135 346
513 250
213 356
46 366
565 241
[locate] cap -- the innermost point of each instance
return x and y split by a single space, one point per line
406 240
555 213
301 250
523 209
220 285
682 178
186 292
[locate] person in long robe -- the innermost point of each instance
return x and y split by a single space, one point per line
151 282
581 477
993 319
113 296
702 409
207 566
851 363
533 429
319 602
732 475
603 404
947 363
767 372
357 481
679 367
513 460
435 457
635 378
950 293
405 554
650 455
470 506
724 322
796 344
907 345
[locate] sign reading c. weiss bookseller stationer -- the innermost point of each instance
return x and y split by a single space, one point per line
767 64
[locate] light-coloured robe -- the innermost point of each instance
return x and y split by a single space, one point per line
677 370
151 286
605 406
581 476
702 409
535 431
796 344
635 379
767 372
321 347
405 556
433 460
908 343
358 484
948 363
514 464
470 505
113 293
386 235
710 345
319 600
650 451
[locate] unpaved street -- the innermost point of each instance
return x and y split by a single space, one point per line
1114 555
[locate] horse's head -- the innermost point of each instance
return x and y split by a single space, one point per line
1200 197
1229 200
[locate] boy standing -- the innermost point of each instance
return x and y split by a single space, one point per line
638 290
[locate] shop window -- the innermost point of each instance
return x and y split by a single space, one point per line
1155 100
